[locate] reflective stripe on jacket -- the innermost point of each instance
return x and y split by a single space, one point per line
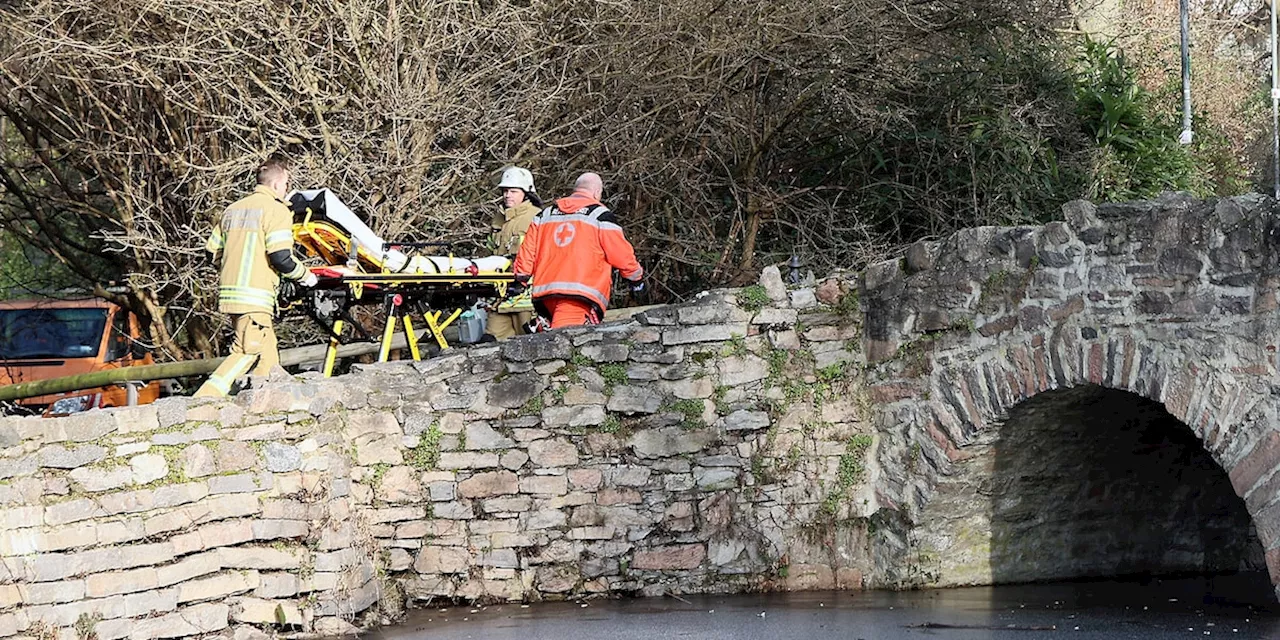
246 232
570 250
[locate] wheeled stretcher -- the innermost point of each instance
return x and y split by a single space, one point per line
357 267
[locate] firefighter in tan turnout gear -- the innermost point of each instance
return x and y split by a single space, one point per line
521 204
255 238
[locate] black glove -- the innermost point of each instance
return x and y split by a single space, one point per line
517 287
639 292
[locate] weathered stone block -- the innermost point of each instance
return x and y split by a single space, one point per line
109 584
628 476
395 514
591 533
379 450
453 510
553 453
514 459
612 496
810 577
546 519
538 347
585 479
366 423
703 333
198 461
399 560
259 558
99 479
739 370
400 484
588 515
774 287
234 456
467 460
60 457
607 352
50 592
277 529
188 568
803 299
545 485
485 485
338 560
515 391
240 483
442 560
715 479
269 432
630 399
59 514
282 458
259 611
670 441
574 416
743 420
576 395
507 505
121 530
24 466
443 491
334 627
482 437
501 558
227 506
676 557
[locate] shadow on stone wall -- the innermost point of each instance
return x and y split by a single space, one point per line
1091 482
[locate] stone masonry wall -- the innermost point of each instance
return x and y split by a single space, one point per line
833 435
1172 300
722 445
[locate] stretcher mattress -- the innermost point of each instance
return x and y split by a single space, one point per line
393 260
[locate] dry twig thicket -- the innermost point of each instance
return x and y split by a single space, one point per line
729 131
1230 71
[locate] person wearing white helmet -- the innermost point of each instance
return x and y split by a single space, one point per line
521 203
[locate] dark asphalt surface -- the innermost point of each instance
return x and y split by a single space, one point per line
1232 607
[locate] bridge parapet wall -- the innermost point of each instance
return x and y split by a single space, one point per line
716 446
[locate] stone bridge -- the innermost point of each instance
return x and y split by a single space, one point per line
1092 397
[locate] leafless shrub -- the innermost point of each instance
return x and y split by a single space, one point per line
717 123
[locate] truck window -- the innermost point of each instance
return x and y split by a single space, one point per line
51 333
118 341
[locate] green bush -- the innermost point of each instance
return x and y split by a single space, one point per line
1137 152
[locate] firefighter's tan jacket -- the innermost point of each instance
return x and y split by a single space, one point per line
246 233
513 227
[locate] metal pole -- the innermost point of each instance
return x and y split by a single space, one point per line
1275 106
1184 9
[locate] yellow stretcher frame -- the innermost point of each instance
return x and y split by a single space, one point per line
333 245
397 286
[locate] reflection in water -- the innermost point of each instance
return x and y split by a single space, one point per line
1239 606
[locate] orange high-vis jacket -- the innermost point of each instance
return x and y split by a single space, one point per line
571 250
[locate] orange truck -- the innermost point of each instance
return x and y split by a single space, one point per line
42 339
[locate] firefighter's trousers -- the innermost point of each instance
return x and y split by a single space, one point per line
508 325
255 342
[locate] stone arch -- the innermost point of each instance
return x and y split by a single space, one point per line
971 404
1174 303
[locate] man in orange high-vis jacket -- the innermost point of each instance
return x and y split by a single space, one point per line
569 253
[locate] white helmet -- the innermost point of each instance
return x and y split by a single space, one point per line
517 178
